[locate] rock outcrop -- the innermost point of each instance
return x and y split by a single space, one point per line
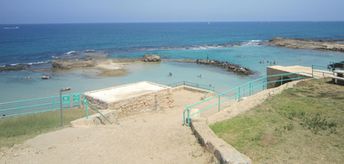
69 64
75 59
16 67
308 44
151 58
226 65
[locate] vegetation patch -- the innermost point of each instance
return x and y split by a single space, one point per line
301 125
14 130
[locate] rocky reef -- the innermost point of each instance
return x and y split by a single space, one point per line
151 58
226 65
15 67
235 68
104 66
329 45
74 59
70 64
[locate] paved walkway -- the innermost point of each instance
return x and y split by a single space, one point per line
156 137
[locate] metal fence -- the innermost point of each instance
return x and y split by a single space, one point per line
214 103
321 71
67 100
222 100
37 105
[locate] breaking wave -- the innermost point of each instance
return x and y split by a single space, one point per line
73 54
28 64
202 47
252 43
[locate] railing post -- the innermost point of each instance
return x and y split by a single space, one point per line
53 103
188 117
238 94
86 107
265 83
71 100
184 116
281 80
219 103
250 88
312 72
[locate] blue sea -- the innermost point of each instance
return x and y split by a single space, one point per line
236 42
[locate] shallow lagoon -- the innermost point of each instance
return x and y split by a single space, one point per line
14 86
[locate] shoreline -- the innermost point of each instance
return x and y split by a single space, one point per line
326 45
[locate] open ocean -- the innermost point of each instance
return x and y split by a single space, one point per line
237 43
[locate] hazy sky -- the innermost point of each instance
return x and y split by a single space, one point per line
87 11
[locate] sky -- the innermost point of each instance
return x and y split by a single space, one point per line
103 11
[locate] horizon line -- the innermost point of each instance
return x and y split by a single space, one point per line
148 22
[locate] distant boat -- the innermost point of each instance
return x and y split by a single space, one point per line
11 27
45 77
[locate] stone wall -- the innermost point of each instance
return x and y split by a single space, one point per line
224 153
142 103
148 102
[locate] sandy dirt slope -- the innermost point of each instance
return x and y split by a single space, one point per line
155 137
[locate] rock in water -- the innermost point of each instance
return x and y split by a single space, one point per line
226 65
69 64
151 58
14 67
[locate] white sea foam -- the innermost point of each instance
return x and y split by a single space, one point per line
39 62
252 43
71 53
30 63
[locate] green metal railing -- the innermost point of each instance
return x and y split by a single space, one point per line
222 100
37 105
191 84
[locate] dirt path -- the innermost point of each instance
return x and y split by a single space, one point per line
156 137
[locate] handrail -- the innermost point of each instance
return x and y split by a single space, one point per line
90 106
28 100
42 104
192 84
321 69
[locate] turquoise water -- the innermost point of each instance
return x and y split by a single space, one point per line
13 86
233 42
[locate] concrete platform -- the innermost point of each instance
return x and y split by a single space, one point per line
131 98
118 93
302 70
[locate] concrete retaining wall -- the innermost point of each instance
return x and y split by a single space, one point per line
272 71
